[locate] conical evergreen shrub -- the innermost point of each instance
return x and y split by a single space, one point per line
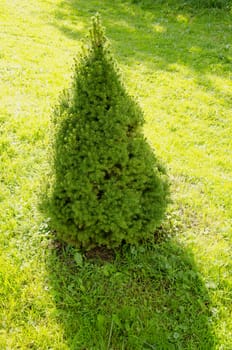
108 186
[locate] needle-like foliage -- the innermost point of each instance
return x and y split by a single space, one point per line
108 185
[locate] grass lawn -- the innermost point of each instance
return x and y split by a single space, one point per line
176 294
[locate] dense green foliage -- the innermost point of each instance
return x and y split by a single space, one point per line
108 185
219 4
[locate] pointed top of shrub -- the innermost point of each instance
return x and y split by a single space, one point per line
97 33
108 185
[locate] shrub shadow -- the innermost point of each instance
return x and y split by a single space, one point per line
146 298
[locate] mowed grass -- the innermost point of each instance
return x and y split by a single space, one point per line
176 294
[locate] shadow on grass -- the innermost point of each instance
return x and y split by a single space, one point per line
146 298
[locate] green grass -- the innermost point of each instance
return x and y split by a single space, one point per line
177 60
